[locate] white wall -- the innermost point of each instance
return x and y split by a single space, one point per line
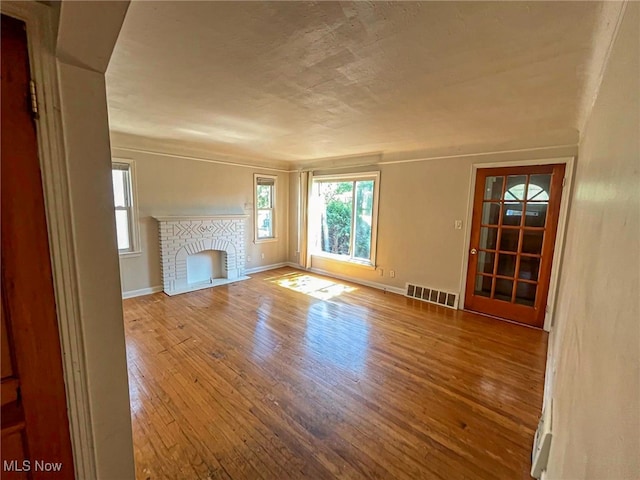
83 109
419 203
170 185
596 340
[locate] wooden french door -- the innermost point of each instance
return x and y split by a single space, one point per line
513 233
35 428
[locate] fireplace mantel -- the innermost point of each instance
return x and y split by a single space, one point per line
188 218
185 235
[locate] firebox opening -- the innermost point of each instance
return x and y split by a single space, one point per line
205 266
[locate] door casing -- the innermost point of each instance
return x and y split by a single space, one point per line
39 19
560 233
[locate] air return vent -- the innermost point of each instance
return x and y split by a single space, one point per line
431 295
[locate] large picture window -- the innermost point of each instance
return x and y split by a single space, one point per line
122 176
265 199
343 214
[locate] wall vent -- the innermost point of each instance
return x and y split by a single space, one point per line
432 295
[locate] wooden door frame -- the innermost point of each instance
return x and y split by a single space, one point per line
569 163
40 20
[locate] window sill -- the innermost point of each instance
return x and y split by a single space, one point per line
130 254
265 240
337 258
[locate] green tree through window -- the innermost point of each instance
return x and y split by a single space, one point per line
336 217
341 215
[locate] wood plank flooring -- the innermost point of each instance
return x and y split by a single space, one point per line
295 375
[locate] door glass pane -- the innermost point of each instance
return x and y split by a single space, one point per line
516 186
483 286
526 293
532 241
509 239
493 188
490 213
536 214
364 216
539 186
512 213
122 229
529 268
488 238
504 289
506 265
485 262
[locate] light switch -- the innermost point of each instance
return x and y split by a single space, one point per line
458 224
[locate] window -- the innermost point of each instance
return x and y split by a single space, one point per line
343 213
265 199
123 199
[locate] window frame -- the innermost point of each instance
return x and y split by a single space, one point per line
274 194
316 250
131 207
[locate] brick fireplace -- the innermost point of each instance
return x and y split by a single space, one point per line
182 237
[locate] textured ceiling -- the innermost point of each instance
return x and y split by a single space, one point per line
296 81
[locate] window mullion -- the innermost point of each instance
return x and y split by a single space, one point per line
127 188
272 224
353 222
130 225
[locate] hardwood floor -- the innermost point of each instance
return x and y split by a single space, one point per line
257 380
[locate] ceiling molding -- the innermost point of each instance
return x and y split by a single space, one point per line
534 153
189 151
200 159
123 145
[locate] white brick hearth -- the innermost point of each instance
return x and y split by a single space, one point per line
184 236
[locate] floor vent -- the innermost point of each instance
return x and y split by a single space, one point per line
431 295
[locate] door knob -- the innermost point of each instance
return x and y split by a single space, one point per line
473 251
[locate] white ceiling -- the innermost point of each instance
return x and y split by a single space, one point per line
295 81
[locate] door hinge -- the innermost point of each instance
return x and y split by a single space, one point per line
564 181
34 98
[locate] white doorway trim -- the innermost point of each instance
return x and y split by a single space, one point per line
40 20
560 234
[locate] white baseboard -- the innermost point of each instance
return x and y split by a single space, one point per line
264 268
142 291
366 283
159 288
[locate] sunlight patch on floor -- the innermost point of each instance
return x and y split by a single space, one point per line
320 288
